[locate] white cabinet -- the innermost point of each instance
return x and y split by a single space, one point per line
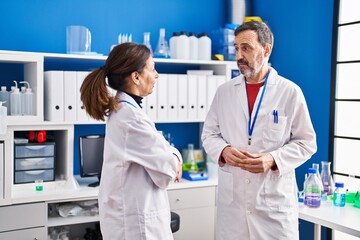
25 234
196 208
24 221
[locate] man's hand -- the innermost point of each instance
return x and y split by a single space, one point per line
254 163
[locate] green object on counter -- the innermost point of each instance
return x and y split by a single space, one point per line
187 167
350 197
357 200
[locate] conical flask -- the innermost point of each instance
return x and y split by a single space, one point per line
326 178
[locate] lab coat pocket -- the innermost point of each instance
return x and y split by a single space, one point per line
225 187
274 130
157 225
279 191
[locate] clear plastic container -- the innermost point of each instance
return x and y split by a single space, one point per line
15 99
312 189
339 197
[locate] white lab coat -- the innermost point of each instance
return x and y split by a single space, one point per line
259 206
138 166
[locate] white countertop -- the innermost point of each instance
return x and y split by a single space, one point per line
345 219
78 188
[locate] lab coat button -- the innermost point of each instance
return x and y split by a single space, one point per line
248 212
247 180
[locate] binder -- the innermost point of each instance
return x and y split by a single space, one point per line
221 79
201 100
162 95
211 86
54 96
81 112
192 96
2 179
151 103
70 100
182 97
173 94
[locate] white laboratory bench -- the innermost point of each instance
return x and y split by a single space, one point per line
194 201
345 219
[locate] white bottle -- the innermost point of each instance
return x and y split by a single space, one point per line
3 114
22 98
182 46
5 98
172 44
193 47
27 100
15 100
204 47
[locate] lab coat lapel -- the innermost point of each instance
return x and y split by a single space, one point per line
242 95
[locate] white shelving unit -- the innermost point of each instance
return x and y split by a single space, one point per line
65 187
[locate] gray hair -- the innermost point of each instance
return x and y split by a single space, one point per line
265 35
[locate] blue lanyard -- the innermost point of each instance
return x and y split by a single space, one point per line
128 103
251 125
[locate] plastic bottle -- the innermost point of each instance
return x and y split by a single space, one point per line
339 197
312 189
182 46
204 47
162 48
193 46
5 98
147 41
191 158
172 44
27 104
15 100
3 114
326 178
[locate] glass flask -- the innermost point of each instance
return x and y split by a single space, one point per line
147 41
326 178
162 48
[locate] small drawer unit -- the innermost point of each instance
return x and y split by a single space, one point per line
34 161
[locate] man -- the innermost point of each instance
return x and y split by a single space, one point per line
259 129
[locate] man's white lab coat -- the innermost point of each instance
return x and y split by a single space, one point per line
259 206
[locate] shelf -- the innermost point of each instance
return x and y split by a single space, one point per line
60 221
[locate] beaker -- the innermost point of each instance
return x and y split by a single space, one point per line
78 40
326 178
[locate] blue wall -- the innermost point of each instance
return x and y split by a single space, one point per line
39 25
302 53
302 29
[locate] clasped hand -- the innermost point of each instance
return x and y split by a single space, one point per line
254 163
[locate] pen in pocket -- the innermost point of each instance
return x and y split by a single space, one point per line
276 116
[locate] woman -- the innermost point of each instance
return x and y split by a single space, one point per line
138 162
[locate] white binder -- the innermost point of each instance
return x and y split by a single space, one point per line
162 96
81 112
54 96
192 97
220 79
173 93
183 97
2 179
151 103
201 100
211 87
70 93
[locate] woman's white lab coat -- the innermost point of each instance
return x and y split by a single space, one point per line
138 166
259 206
